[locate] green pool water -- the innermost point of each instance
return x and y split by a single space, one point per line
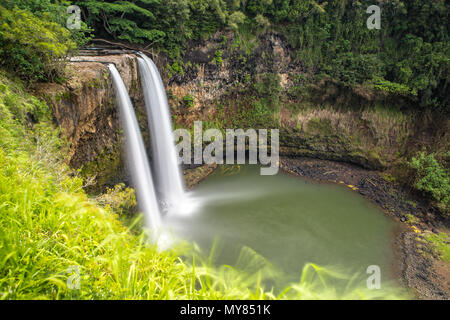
288 221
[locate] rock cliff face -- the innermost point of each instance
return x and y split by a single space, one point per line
219 85
325 121
85 109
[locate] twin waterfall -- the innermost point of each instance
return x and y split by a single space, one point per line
168 177
164 191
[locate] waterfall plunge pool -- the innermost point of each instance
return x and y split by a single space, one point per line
287 222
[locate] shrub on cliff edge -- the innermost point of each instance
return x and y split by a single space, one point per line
432 179
33 48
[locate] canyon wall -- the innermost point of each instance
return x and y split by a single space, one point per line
223 78
218 83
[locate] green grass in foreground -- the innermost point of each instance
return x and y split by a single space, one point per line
49 228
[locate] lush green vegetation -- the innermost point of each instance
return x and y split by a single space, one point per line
34 41
49 228
409 56
432 179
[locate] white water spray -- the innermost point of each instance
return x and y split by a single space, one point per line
168 176
137 156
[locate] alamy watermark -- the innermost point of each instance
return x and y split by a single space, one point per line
374 280
374 21
74 280
74 20
235 141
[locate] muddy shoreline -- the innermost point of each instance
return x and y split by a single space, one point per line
423 274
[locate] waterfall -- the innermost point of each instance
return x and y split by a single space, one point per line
136 155
168 176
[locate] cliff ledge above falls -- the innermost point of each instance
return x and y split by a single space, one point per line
84 108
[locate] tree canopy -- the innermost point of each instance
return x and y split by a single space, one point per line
408 56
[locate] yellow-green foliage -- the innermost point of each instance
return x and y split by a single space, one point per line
439 243
120 199
48 227
24 121
412 219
